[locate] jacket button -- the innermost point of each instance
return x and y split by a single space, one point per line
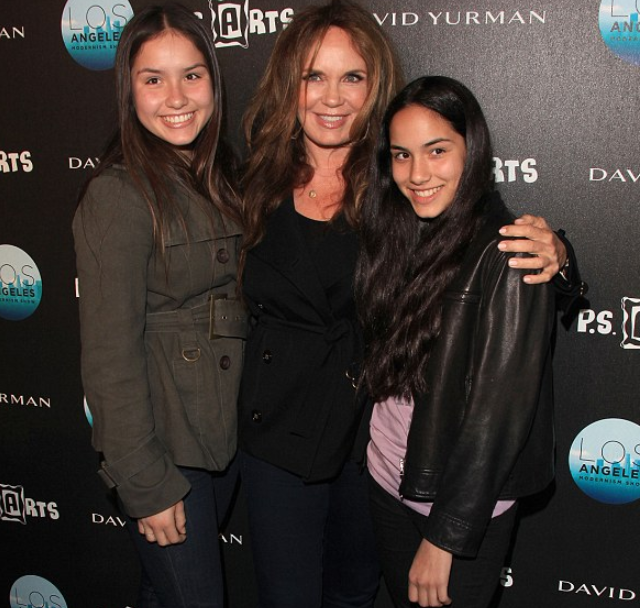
256 416
225 362
222 256
267 356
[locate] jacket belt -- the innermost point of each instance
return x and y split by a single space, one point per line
221 317
332 333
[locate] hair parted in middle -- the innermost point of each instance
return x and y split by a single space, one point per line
406 263
155 165
277 160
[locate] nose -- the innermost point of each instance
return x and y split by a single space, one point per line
176 98
332 94
420 171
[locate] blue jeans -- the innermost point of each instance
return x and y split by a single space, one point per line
189 575
472 583
313 544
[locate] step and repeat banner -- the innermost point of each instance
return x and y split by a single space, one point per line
560 83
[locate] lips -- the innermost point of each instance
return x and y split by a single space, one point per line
426 193
331 121
177 120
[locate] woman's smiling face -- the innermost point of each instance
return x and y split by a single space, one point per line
332 92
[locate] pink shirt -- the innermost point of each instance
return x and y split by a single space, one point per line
390 424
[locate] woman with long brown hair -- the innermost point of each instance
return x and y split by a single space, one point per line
157 237
311 131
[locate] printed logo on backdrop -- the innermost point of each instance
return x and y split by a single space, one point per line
620 28
20 284
12 32
506 577
604 461
91 30
614 175
15 507
602 322
87 412
597 591
494 17
232 23
33 591
229 538
12 162
75 162
515 170
28 400
112 521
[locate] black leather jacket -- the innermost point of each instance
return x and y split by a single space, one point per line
484 429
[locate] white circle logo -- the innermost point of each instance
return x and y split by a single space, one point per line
91 30
35 592
20 284
605 461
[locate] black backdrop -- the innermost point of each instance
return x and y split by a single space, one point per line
562 101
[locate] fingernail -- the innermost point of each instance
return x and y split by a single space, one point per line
502 231
502 246
513 262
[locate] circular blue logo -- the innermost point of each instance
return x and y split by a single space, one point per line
605 461
32 591
20 284
91 30
620 28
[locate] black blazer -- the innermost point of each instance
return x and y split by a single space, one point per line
297 408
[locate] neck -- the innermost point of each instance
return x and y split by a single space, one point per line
326 161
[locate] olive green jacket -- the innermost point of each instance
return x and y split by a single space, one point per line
161 392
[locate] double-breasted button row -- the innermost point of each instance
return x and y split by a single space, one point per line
225 362
222 256
267 357
256 416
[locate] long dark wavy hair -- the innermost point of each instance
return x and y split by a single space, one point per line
155 165
405 263
277 161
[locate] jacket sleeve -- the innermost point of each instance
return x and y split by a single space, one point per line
569 286
510 351
114 243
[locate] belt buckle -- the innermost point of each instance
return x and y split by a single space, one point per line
212 315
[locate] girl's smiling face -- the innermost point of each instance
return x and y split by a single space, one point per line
172 88
427 159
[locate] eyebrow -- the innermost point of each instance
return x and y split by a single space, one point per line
425 145
318 71
157 71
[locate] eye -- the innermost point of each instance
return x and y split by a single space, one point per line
312 77
438 151
152 80
399 156
354 77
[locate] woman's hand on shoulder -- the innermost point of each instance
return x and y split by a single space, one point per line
429 575
539 240
169 527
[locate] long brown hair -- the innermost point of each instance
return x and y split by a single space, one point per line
155 165
277 161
